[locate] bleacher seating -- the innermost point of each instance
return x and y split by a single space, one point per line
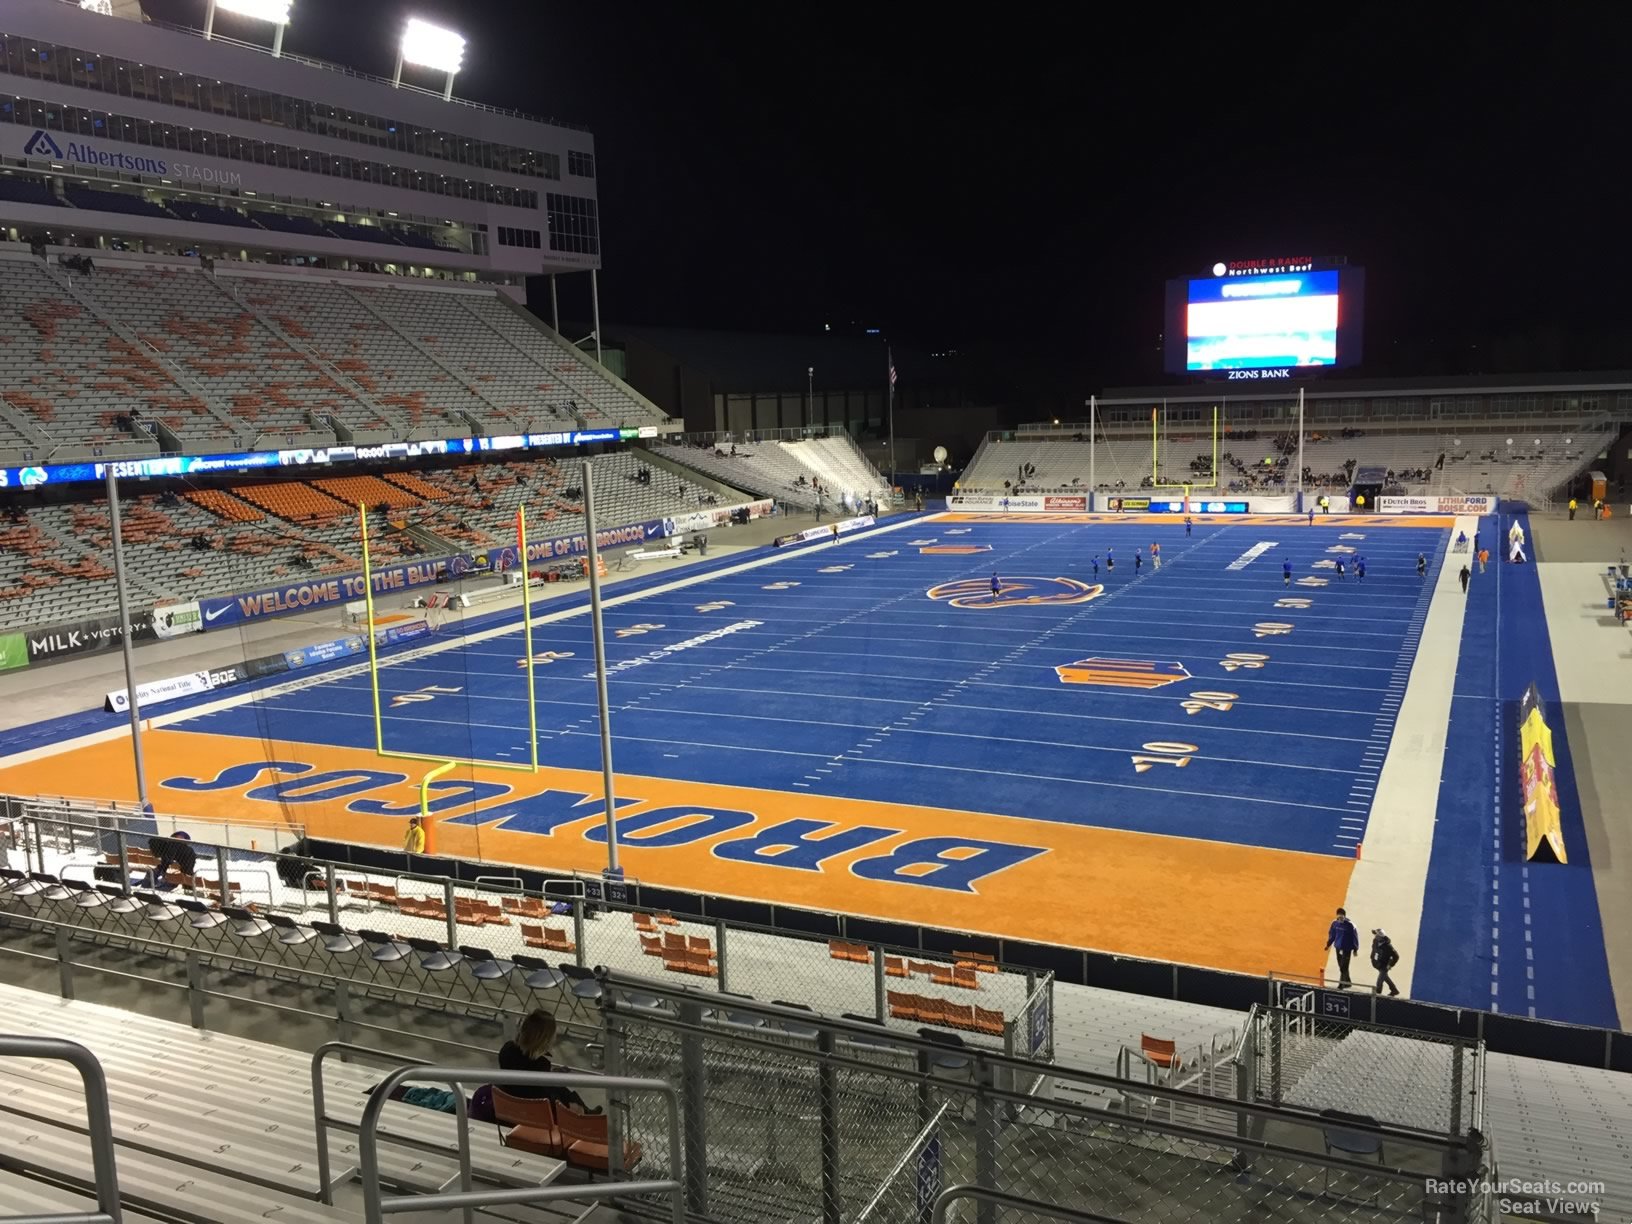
56 562
73 376
1535 465
237 360
210 214
533 397
288 223
371 353
360 233
182 1154
287 358
26 191
787 471
115 201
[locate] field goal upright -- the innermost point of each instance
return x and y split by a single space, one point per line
441 764
1156 481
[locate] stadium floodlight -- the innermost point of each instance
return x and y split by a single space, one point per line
430 46
274 11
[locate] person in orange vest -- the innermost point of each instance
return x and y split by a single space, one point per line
1484 555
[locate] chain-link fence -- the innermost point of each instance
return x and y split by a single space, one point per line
1394 1076
804 1117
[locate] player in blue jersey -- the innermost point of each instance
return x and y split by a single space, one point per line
997 586
1096 567
1286 573
1110 559
1360 568
1187 523
1138 561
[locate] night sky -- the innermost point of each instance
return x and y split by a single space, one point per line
1017 183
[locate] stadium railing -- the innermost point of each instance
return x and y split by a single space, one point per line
788 1111
729 921
568 917
98 1123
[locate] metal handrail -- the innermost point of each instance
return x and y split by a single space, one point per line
98 1122
376 1207
322 1122
913 1148
945 1199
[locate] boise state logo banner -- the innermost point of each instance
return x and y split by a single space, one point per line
1014 592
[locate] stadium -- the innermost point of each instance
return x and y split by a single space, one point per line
402 687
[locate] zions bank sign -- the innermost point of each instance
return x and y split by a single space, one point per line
44 144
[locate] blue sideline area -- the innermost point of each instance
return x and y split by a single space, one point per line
67 726
1498 933
834 672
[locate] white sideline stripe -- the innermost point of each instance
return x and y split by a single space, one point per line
483 635
1388 885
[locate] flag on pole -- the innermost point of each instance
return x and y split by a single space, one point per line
892 368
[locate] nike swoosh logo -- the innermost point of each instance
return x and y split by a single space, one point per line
210 616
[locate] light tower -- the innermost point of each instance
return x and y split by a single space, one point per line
274 11
433 47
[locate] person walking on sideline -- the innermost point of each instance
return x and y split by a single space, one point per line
1342 938
1422 566
414 841
1384 956
1465 575
1286 573
1311 516
1572 509
1187 524
1156 556
1360 568
1484 555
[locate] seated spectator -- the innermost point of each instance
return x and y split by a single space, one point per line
530 1051
176 851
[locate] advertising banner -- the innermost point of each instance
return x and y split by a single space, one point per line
13 651
266 665
317 593
1437 505
1134 505
325 652
1065 503
173 620
71 638
155 691
825 531
992 501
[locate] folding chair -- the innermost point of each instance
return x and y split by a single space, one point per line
587 1144
1337 1137
532 1123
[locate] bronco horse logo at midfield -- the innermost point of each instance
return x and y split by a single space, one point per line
1014 592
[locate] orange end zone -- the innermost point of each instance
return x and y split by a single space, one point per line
1245 908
